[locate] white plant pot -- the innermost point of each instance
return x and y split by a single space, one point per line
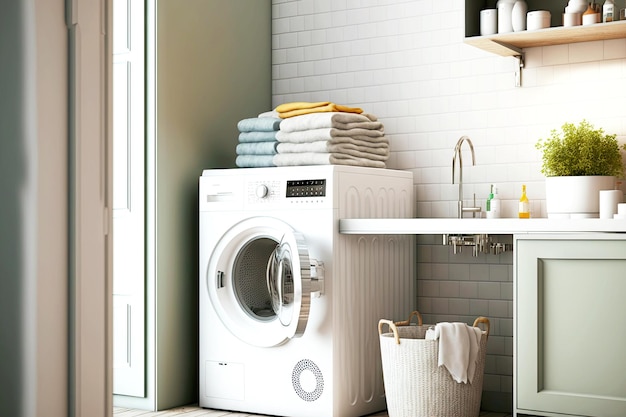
576 197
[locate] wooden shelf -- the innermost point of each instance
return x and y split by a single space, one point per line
512 44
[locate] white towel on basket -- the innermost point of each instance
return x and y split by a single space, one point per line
458 348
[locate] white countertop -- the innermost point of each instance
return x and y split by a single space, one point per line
478 226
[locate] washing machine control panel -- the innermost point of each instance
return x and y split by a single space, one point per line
287 192
306 188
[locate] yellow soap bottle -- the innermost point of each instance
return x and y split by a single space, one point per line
524 206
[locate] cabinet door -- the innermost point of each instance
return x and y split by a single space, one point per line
570 328
128 199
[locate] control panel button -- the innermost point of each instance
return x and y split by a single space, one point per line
262 191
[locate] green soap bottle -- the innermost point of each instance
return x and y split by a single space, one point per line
488 205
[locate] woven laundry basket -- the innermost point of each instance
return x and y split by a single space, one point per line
415 386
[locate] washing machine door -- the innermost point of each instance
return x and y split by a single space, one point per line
259 281
289 260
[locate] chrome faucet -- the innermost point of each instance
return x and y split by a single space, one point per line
457 152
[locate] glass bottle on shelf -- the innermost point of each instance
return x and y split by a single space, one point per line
524 206
608 11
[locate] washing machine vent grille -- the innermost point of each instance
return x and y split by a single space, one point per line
306 365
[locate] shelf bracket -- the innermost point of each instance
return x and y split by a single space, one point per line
506 49
518 69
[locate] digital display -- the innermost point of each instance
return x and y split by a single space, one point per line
306 188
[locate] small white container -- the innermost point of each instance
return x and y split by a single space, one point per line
537 19
488 22
590 18
609 201
572 19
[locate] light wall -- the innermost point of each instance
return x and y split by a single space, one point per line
212 69
405 62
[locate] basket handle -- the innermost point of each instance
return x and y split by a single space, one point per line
414 313
483 320
392 327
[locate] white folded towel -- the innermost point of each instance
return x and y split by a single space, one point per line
339 120
321 146
271 113
319 158
313 135
458 348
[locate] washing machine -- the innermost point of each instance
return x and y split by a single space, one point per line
289 307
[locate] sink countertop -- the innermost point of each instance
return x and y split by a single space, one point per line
511 226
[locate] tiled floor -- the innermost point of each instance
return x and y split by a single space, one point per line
193 411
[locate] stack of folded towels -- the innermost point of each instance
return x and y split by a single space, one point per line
325 133
257 141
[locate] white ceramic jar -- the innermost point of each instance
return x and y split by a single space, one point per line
538 19
505 11
488 22
576 6
518 15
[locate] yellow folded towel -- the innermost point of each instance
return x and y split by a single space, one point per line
302 107
297 105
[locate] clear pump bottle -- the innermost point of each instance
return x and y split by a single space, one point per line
495 204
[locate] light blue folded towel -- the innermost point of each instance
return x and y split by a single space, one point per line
257 136
259 124
257 148
254 161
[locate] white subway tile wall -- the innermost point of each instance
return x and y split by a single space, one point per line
405 62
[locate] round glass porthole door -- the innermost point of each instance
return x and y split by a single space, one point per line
285 263
239 285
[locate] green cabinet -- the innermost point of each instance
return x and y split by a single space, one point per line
570 325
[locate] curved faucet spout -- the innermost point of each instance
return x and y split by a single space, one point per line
457 152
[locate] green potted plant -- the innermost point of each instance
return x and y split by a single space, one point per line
578 162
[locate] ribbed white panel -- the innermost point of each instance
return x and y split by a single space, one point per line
374 278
